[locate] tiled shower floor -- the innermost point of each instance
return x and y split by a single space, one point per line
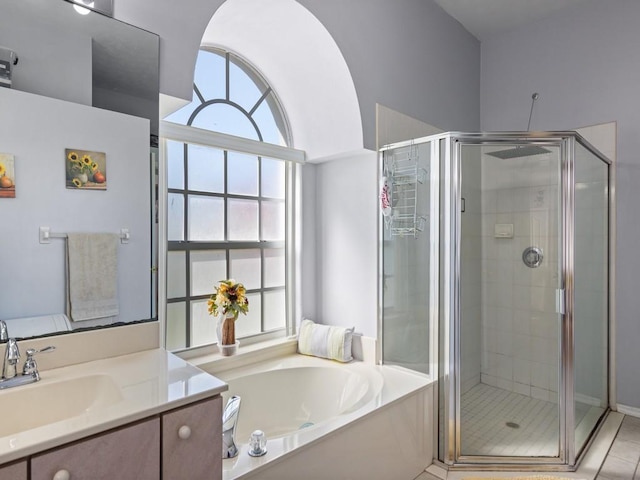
485 412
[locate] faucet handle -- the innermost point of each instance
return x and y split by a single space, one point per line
30 365
11 357
12 352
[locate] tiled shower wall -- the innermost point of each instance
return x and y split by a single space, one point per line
520 328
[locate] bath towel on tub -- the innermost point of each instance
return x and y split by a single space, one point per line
92 275
325 341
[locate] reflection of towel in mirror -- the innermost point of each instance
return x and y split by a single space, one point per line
92 275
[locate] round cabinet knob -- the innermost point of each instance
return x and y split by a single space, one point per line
184 432
62 475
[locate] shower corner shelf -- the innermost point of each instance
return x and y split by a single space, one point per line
399 225
404 176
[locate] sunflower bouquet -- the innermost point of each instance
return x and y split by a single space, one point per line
81 168
229 299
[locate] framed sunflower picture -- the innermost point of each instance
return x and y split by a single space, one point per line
85 169
7 176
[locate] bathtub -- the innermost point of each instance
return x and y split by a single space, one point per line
324 419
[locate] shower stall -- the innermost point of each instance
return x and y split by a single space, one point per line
495 279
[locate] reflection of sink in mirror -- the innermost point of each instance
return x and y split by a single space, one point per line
44 403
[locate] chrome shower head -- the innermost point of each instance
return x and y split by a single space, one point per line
522 150
519 151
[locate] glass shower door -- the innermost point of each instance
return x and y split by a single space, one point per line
509 330
591 292
406 256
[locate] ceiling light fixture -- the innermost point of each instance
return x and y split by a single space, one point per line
83 10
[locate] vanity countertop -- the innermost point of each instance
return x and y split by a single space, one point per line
104 394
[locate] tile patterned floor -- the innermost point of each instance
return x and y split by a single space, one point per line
622 461
487 413
623 458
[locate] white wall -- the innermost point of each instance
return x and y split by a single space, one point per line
34 273
346 240
585 63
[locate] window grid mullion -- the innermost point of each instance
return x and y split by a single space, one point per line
226 76
187 254
262 299
207 295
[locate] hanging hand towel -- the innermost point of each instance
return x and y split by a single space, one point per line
92 275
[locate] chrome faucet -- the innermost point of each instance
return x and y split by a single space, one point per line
10 376
4 333
229 422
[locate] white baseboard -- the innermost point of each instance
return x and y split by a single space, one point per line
587 399
632 411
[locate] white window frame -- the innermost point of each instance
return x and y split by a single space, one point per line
293 159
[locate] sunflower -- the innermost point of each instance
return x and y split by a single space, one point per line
86 160
76 165
3 169
94 166
73 156
77 182
228 296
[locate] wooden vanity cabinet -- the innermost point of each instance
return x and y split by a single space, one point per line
128 453
15 471
192 442
191 447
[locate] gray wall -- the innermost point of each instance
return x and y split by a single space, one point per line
65 58
408 55
585 63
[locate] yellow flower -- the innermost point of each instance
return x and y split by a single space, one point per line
73 156
3 169
76 165
86 159
94 166
228 297
77 182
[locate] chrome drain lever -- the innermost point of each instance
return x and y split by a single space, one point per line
257 444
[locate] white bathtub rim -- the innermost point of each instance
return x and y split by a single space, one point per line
368 378
399 383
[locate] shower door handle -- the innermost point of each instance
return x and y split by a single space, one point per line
560 301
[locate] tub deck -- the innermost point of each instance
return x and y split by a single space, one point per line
362 443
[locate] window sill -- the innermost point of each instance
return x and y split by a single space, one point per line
253 353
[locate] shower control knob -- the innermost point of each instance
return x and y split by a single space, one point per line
257 444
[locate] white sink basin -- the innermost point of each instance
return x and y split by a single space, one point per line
42 403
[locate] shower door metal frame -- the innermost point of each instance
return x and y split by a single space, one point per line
453 276
567 455
444 302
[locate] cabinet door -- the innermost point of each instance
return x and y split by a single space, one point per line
17 471
192 441
131 453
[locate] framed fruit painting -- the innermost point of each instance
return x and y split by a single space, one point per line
7 176
85 169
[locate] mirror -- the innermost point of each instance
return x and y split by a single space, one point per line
88 84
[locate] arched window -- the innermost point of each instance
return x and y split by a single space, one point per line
228 201
229 96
